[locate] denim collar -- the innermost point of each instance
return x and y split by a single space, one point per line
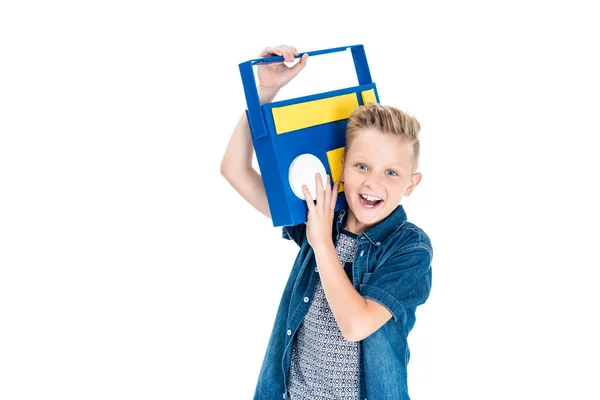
381 231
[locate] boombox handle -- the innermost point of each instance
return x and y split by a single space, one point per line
255 119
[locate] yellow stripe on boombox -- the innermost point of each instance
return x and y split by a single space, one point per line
304 115
368 96
334 157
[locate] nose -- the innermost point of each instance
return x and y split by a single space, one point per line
372 181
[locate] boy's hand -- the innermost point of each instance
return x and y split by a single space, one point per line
320 216
273 76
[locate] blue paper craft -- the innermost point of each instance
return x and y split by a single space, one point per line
296 138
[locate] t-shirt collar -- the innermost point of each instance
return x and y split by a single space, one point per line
381 231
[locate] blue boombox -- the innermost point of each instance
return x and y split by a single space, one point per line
296 138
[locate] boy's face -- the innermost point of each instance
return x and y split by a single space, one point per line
376 165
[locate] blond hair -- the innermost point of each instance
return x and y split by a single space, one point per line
386 119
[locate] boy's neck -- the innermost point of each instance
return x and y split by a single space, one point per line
353 225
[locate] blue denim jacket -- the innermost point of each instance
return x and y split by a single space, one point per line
392 266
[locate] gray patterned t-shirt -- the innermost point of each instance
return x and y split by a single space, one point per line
324 364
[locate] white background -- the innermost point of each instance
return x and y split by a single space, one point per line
130 269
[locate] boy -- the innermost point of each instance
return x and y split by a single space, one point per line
341 328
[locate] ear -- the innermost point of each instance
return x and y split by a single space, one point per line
414 181
342 173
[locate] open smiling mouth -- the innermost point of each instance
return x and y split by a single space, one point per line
369 202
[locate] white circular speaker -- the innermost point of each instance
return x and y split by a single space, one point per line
302 172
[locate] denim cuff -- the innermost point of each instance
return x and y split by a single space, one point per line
386 299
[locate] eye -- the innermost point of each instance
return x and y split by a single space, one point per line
393 173
359 166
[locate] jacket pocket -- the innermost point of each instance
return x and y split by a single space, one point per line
365 278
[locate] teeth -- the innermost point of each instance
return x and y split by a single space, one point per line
370 198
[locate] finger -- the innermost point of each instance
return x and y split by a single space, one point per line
334 195
291 52
300 64
309 200
319 190
327 192
287 53
291 48
270 51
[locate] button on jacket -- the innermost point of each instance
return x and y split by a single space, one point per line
392 266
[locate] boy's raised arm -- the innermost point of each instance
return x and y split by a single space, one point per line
237 168
236 165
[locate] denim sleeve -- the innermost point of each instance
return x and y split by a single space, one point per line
402 281
297 233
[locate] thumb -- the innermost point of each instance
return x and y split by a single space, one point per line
300 64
